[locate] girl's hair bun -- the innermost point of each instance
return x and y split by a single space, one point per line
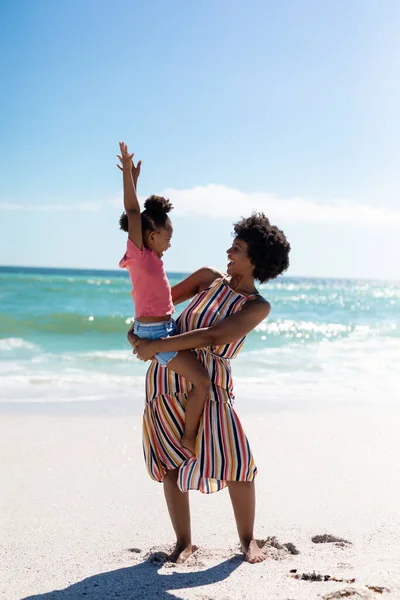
156 209
157 205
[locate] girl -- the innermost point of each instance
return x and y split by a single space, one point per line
149 236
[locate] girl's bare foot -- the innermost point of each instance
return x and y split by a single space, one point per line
189 443
181 553
253 553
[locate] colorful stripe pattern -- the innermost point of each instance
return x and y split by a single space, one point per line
222 449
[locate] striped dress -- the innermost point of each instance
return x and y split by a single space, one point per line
222 449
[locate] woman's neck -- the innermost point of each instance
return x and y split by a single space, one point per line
242 284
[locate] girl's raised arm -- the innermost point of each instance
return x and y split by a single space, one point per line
131 202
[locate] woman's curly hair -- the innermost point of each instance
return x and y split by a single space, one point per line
154 216
268 248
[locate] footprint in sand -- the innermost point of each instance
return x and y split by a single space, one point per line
328 538
275 550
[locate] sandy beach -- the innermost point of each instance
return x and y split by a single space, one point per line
233 167
80 518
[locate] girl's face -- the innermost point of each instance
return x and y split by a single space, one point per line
160 239
239 262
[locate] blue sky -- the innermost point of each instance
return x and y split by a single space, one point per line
287 107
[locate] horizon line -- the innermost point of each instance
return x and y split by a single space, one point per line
172 271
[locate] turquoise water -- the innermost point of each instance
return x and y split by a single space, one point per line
63 336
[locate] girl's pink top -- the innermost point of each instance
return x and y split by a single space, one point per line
151 291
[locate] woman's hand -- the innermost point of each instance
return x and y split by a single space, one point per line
144 349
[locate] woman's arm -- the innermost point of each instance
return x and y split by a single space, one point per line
195 283
226 331
131 202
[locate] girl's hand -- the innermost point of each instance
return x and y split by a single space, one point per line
125 158
127 162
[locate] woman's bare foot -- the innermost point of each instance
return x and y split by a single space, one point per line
181 553
253 553
189 443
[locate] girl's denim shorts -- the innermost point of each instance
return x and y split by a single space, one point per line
156 331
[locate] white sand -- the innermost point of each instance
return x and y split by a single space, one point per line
76 497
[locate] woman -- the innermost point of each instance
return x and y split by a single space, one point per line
223 311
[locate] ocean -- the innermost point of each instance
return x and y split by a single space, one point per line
63 340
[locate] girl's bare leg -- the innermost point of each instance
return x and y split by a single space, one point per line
243 498
186 364
179 512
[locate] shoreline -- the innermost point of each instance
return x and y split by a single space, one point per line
253 396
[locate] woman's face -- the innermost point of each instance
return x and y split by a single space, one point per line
239 262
